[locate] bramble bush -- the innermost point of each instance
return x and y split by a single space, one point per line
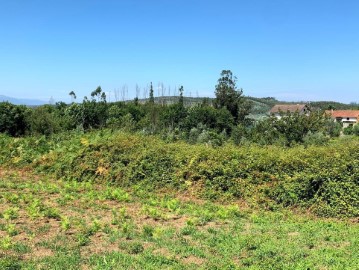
322 178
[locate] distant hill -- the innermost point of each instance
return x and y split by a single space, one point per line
263 105
260 106
329 105
18 101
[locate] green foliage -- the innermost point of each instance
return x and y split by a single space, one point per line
89 114
43 120
332 105
181 98
209 117
356 130
211 138
348 130
317 138
332 128
319 176
10 263
227 96
65 223
197 234
11 213
133 247
173 116
152 98
13 119
238 135
290 128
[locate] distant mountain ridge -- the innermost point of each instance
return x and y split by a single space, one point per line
22 101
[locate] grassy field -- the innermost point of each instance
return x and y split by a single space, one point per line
48 224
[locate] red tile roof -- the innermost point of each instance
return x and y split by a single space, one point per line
287 108
344 113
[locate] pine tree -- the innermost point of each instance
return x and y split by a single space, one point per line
181 101
152 98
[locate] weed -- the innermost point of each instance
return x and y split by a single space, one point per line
11 229
10 263
65 223
51 212
158 233
132 247
147 231
21 248
11 213
95 227
118 216
153 212
188 230
35 209
107 229
12 198
173 205
6 243
116 194
82 239
127 229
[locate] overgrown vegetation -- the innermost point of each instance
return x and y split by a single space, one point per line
54 224
131 185
322 178
230 116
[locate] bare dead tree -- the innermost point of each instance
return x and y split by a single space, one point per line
163 91
138 89
109 96
175 91
124 90
117 94
145 90
159 91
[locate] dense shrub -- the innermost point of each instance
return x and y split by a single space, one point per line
43 121
13 119
317 138
321 178
332 128
356 130
348 130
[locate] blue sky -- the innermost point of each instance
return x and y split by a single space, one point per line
292 50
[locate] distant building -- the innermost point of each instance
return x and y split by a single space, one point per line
346 117
279 109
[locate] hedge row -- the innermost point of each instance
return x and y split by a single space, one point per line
324 179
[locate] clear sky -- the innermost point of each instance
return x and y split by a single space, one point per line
290 49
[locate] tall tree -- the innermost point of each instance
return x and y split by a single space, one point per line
73 96
181 101
97 93
229 97
152 98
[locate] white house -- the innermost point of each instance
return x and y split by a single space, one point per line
346 117
279 109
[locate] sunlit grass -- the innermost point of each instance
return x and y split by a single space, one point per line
47 224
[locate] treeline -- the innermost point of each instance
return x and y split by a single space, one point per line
212 121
